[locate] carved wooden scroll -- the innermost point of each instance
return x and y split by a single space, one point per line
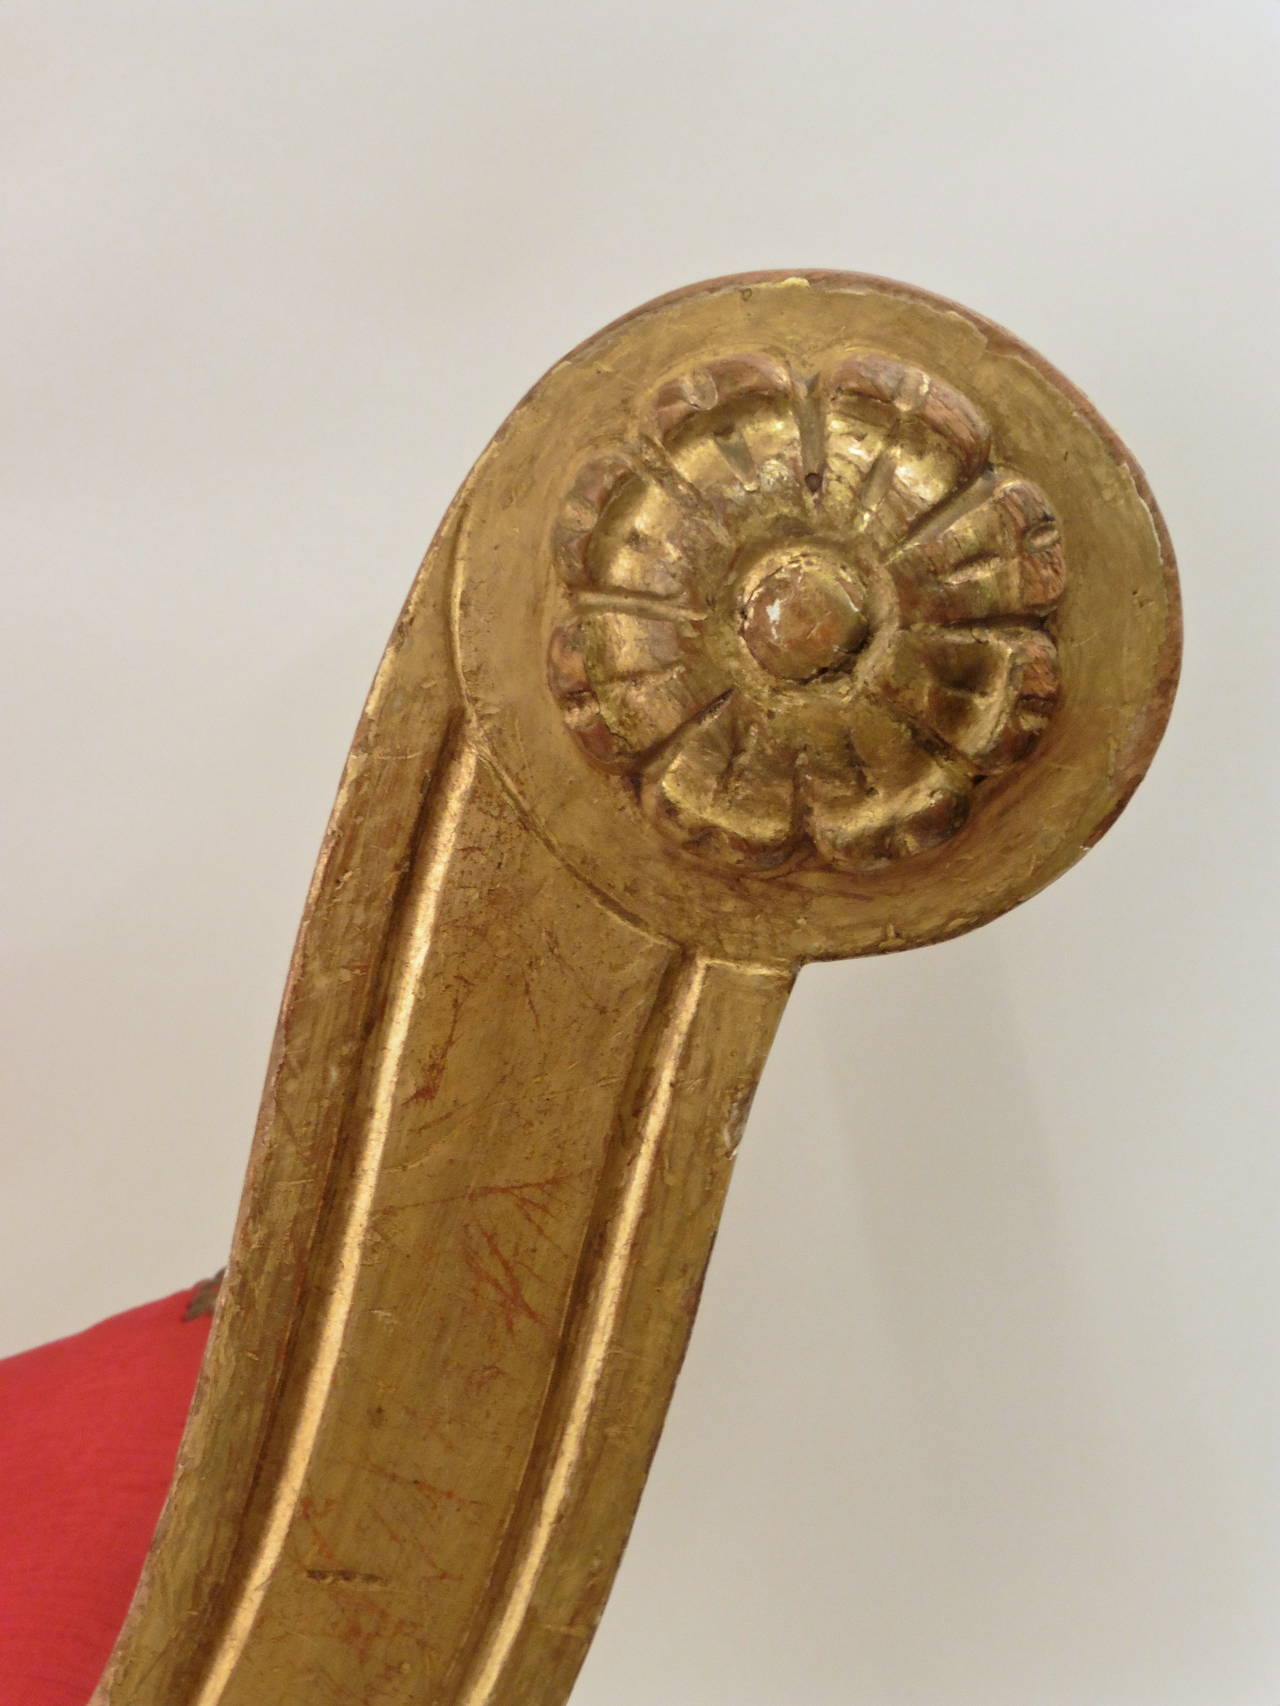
790 617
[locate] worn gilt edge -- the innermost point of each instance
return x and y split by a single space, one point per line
558 1454
190 1565
693 1079
447 797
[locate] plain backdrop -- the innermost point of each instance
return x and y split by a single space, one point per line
982 1408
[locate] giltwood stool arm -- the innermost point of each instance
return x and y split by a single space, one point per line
794 616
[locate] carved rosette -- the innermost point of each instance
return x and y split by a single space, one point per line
809 615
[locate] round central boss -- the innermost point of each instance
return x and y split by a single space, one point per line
803 617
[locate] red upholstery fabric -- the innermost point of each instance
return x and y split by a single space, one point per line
89 1429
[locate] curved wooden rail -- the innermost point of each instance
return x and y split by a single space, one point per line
793 616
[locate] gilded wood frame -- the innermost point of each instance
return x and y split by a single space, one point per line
595 818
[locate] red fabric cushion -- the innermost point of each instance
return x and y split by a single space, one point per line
89 1429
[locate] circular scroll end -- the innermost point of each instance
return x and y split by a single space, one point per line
809 615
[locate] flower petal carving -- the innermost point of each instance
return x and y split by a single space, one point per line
1000 556
628 681
809 614
983 695
898 443
726 788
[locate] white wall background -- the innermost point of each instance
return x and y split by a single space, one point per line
983 1406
